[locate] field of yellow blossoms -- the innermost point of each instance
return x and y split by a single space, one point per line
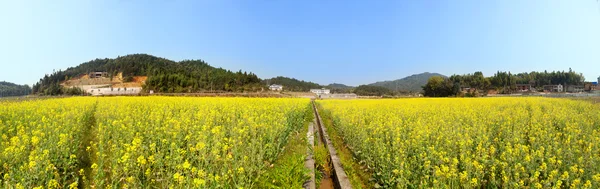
473 143
142 142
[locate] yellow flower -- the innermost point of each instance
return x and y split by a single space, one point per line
141 160
73 185
35 140
198 182
186 165
94 166
32 164
53 184
177 177
474 182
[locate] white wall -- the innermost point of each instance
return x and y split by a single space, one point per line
114 91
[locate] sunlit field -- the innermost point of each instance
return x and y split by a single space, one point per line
473 143
141 142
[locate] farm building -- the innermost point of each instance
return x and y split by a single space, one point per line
340 96
553 88
276 87
575 88
114 91
591 86
524 87
97 74
320 91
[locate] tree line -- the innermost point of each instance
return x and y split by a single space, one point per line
291 84
502 82
11 89
163 75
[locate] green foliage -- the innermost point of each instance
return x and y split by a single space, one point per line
291 173
11 89
339 88
504 82
411 83
73 91
438 87
322 162
128 79
288 171
163 75
357 173
368 90
291 84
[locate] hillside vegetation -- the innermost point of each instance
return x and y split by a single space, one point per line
291 84
11 89
503 82
340 88
163 75
368 90
411 83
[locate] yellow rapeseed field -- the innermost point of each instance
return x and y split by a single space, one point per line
473 143
141 142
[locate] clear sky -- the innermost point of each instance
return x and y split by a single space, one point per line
325 41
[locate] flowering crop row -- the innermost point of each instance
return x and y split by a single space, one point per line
140 142
473 143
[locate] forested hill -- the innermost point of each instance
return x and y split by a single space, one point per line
291 84
413 83
339 88
163 75
11 89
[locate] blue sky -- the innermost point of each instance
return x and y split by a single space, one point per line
325 41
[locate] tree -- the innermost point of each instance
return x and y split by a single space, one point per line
438 87
163 75
368 90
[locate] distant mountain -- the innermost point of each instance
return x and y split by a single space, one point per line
411 83
292 84
11 89
338 86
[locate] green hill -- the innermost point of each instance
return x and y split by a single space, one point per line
163 75
339 88
292 84
411 83
11 89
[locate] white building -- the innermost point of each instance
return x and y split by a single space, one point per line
114 91
320 91
276 87
554 88
340 96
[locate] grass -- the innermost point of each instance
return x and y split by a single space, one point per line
359 178
288 170
322 163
